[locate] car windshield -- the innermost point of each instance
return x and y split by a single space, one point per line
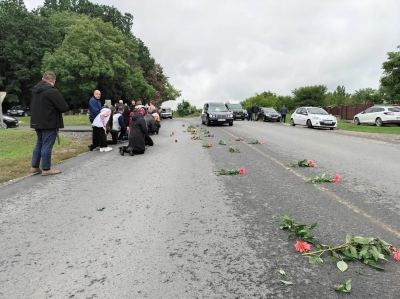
317 111
235 106
221 108
269 110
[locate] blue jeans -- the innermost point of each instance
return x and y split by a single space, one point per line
43 148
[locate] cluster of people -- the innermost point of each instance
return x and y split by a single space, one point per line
253 112
134 123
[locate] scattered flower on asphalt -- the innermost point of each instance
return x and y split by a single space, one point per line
255 141
209 144
233 150
221 142
336 178
396 255
230 172
262 142
172 133
195 137
303 163
192 137
183 125
302 246
176 140
212 135
239 139
324 179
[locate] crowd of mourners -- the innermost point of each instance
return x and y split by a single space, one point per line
120 123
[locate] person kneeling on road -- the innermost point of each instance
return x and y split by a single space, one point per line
137 135
118 124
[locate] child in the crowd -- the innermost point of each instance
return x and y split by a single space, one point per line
156 117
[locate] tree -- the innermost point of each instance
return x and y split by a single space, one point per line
309 95
390 81
24 37
95 55
366 95
183 107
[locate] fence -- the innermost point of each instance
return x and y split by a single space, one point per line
347 112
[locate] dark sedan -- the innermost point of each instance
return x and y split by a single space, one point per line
9 122
19 111
269 114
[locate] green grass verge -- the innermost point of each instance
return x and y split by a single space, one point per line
16 148
387 129
69 120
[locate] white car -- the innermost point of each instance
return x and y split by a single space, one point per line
313 117
378 115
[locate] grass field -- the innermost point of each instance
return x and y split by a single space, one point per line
69 120
16 148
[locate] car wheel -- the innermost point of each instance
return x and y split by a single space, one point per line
170 117
264 120
231 123
378 122
309 124
242 118
292 122
357 121
278 120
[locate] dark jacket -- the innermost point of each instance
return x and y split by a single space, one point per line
284 110
254 109
125 115
138 130
94 108
47 106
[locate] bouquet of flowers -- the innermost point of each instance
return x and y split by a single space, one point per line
230 172
303 163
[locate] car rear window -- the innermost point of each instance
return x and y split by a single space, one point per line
394 109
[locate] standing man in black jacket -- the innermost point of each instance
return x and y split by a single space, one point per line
47 106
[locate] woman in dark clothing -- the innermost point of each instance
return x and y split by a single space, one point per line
138 130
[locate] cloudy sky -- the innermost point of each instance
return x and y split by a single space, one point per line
228 50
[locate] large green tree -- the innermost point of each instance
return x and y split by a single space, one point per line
366 95
24 38
95 55
390 81
309 95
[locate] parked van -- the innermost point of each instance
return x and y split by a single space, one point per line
237 110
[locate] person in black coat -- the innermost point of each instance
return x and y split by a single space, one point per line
47 107
138 137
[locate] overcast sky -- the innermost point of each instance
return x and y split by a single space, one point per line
222 50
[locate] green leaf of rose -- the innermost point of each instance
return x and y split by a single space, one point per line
286 282
342 266
282 272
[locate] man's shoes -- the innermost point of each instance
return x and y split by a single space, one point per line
35 170
50 172
121 150
131 152
106 149
90 147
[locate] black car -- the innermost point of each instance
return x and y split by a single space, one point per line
269 114
237 110
9 122
19 111
216 113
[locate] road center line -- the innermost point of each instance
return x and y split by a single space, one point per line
353 207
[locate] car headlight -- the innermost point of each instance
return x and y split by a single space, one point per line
230 115
211 115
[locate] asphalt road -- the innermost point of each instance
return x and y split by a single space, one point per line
172 229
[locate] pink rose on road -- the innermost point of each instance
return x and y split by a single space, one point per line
262 142
242 171
396 255
210 144
336 178
311 162
302 246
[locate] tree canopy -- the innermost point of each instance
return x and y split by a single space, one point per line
88 46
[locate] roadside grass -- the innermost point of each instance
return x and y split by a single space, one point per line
349 126
16 148
69 120
194 114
